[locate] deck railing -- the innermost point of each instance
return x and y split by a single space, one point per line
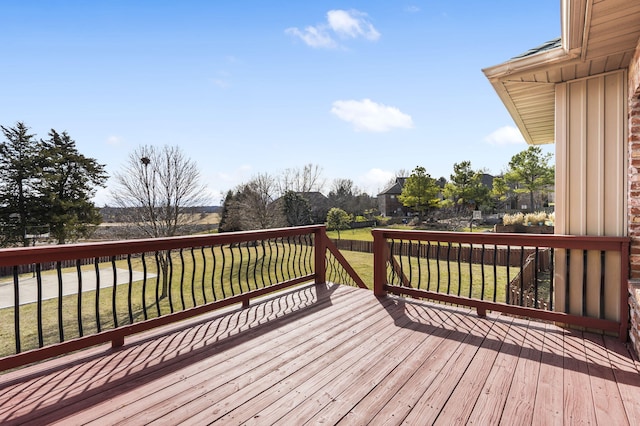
577 280
58 299
115 289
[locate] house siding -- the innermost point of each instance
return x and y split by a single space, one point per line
590 180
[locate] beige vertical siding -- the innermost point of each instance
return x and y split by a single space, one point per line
591 168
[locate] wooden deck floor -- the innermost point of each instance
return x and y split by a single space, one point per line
336 355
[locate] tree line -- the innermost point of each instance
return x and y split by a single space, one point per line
292 198
47 187
295 197
529 172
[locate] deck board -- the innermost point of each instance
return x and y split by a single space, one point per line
607 401
578 403
548 405
490 404
333 354
520 403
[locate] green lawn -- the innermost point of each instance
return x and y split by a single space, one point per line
362 234
425 274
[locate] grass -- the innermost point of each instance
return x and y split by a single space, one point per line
478 228
362 234
424 275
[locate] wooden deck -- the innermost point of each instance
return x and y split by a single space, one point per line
334 354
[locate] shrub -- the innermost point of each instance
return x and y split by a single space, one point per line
551 218
513 219
535 218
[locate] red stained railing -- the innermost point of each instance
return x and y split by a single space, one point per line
115 289
59 299
577 280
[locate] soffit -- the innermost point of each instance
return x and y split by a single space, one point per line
598 36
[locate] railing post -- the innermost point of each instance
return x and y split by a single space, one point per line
623 333
320 266
379 263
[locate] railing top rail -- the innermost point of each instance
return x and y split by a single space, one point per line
587 242
52 253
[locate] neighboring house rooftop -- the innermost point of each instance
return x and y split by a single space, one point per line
395 188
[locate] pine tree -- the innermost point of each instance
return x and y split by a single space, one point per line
69 181
420 191
19 185
530 171
296 209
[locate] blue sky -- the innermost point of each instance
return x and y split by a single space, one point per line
360 88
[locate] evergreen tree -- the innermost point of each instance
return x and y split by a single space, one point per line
530 171
296 209
19 185
500 190
69 181
420 191
465 189
229 220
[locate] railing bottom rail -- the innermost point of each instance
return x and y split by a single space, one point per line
116 336
482 306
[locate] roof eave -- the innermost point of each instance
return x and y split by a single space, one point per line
570 49
549 58
498 74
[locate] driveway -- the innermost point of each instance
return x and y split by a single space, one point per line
29 289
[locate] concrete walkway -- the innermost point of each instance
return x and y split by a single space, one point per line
29 289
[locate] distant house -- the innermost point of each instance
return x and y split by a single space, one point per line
487 180
319 205
390 205
388 202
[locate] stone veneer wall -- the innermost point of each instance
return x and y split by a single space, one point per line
634 199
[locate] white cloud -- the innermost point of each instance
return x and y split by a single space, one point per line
369 116
235 177
314 36
222 80
219 182
506 135
375 180
221 83
114 140
223 77
412 9
341 23
352 24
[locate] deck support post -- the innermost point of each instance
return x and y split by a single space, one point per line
117 341
380 256
320 236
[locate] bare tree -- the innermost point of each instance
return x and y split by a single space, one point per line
157 189
307 179
400 173
252 206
